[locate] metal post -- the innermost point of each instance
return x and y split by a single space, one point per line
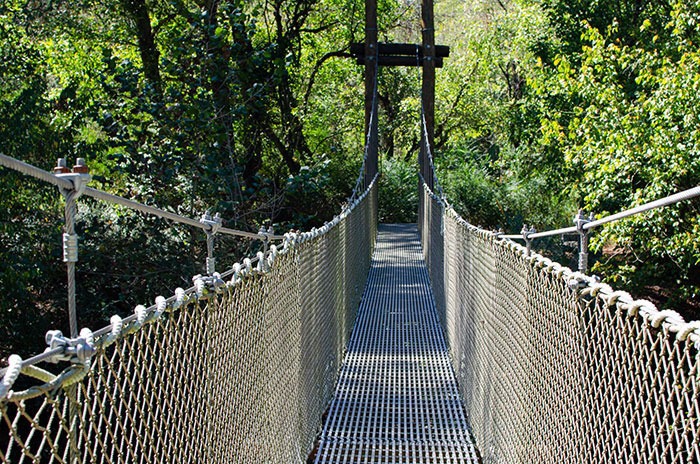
371 67
79 176
580 220
214 224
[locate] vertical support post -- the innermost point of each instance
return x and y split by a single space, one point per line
70 257
371 67
526 232
79 176
428 88
580 220
214 224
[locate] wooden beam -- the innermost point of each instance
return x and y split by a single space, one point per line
400 61
400 54
358 49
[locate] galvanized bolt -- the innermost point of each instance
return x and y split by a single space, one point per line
61 166
80 167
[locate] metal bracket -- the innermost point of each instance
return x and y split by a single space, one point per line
214 224
526 232
580 220
79 176
75 350
265 236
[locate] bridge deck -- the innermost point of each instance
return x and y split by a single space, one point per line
396 400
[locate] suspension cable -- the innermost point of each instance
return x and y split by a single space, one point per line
368 138
429 152
424 133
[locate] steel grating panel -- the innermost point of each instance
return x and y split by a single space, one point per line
397 399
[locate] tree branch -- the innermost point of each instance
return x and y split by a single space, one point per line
317 67
318 29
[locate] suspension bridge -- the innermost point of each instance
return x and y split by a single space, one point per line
438 342
358 342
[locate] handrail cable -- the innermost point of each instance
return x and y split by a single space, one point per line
50 353
63 183
28 169
666 201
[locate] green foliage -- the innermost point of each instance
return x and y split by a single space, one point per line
636 147
398 191
499 198
176 105
588 104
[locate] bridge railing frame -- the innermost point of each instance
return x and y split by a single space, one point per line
554 366
238 369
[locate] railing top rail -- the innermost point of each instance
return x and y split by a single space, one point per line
666 201
247 263
548 233
669 200
63 183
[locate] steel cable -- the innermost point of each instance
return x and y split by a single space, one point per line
40 174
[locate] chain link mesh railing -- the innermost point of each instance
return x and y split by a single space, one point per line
239 372
553 366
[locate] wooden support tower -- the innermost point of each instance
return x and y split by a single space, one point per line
373 54
371 103
428 89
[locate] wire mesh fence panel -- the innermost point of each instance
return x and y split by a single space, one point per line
239 372
555 367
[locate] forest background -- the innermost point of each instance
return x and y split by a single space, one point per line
252 109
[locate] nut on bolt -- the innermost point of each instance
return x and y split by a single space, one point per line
61 166
80 167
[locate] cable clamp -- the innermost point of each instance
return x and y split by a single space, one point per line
79 176
70 248
161 306
526 232
214 223
266 234
117 324
205 284
180 298
580 220
74 350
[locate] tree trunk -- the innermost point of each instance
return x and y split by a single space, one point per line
137 10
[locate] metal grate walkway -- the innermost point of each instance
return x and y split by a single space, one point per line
396 400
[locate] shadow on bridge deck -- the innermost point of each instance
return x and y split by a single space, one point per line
397 399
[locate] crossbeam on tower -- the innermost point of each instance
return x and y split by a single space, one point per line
399 54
